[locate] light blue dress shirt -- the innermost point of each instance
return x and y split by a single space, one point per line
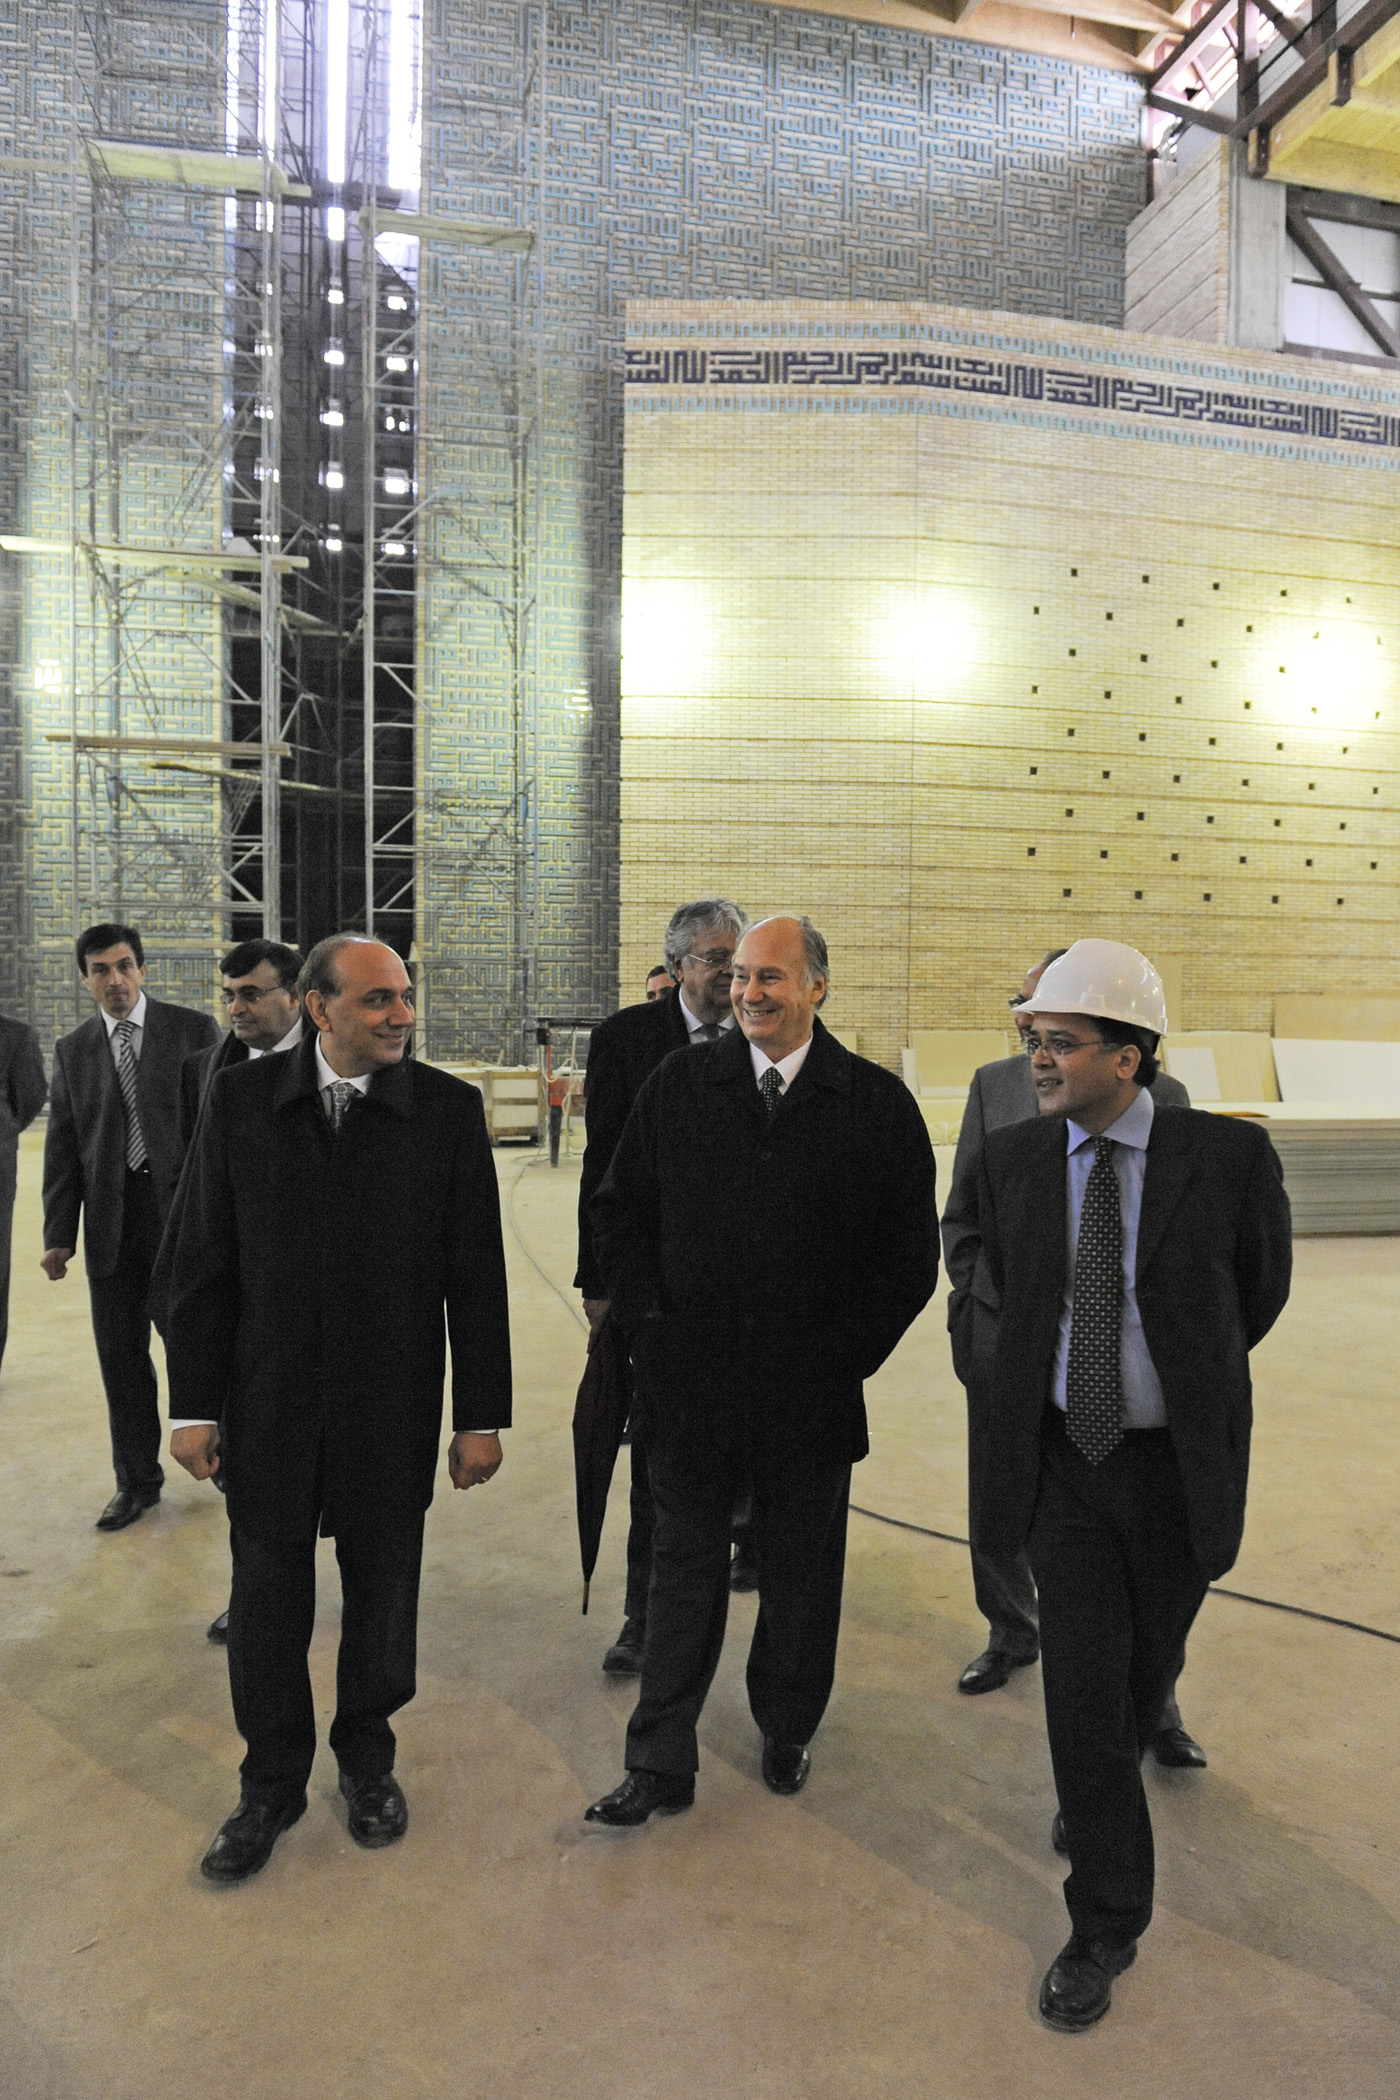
1143 1405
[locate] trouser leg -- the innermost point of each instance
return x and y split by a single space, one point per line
800 1527
7 1217
121 1327
375 1673
271 1612
1170 1715
1118 1589
1002 1582
639 1533
687 1607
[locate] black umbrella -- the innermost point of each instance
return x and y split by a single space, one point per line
600 1418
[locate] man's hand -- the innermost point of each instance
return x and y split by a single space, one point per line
473 1457
595 1311
55 1263
197 1449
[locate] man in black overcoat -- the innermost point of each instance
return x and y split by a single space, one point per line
624 1052
767 1231
112 1158
337 1223
22 1091
1128 1259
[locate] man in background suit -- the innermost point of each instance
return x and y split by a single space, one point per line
1004 1092
112 1157
264 1009
768 1230
1127 1258
22 1090
659 982
625 1051
337 1223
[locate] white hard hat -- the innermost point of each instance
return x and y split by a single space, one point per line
1105 979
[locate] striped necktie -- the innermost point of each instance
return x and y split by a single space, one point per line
126 1080
1094 1374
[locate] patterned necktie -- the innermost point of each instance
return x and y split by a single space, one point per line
707 1032
341 1093
126 1080
1094 1381
771 1086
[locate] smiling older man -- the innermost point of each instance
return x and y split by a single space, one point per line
767 1231
337 1222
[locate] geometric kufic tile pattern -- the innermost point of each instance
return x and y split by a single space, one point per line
713 149
968 673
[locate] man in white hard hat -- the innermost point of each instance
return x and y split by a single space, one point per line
1004 1092
1128 1258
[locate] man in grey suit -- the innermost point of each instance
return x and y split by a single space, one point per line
112 1157
1002 1093
22 1090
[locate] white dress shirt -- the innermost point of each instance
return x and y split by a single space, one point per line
288 1042
137 1018
787 1068
691 1024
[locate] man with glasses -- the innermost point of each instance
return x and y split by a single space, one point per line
1124 1261
1004 1092
625 1051
259 992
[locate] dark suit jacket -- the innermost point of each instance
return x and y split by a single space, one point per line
782 1257
622 1053
1213 1263
23 1087
311 1282
85 1150
1002 1092
197 1076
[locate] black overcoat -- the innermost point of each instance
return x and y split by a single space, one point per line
197 1075
784 1257
622 1053
85 1145
1214 1256
312 1280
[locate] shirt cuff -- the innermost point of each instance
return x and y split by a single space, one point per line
192 1422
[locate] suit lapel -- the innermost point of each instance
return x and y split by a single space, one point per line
1169 1163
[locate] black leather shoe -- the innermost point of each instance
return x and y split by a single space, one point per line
1174 1747
785 1765
378 1811
1058 1841
990 1671
1078 1986
743 1571
219 1630
245 1843
126 1506
624 1658
643 1794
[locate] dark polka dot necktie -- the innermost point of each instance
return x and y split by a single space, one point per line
1094 1382
771 1086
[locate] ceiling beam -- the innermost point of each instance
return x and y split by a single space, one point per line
1337 278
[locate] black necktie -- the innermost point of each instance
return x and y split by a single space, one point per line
707 1032
771 1086
1094 1378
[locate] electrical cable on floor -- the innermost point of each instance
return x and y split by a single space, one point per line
1297 1611
926 1531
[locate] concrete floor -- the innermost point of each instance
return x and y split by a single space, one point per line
882 1934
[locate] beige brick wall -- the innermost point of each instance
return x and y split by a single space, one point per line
968 677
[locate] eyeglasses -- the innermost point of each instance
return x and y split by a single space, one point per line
1062 1046
1017 999
248 993
712 958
